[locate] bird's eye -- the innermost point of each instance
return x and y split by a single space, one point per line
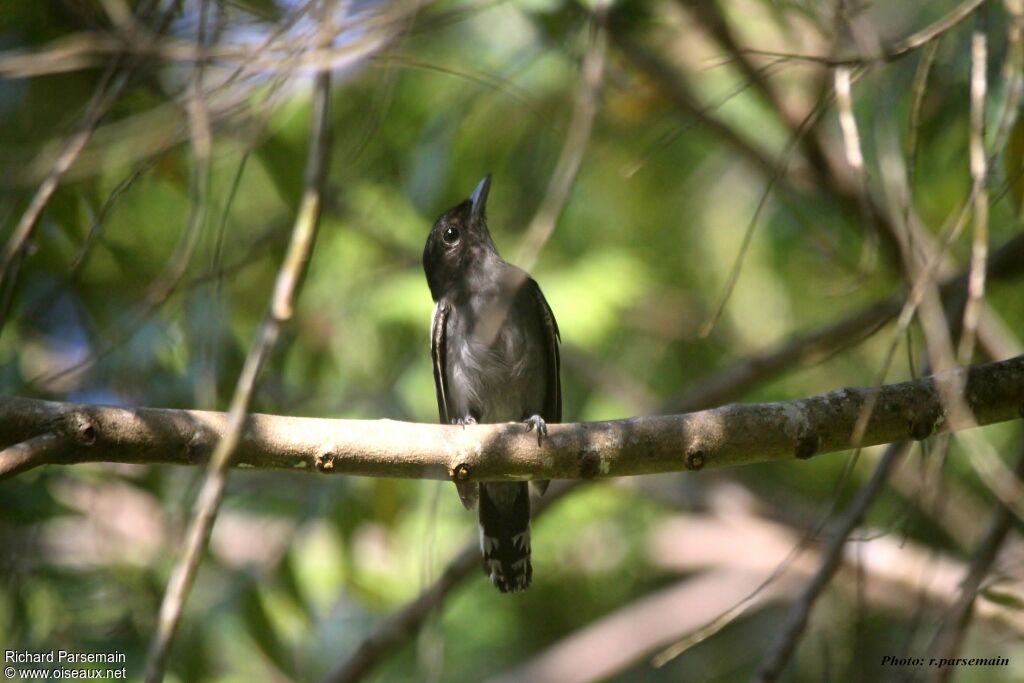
450 235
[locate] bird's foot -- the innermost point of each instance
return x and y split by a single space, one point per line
463 421
536 422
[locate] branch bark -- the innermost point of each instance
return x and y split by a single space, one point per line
730 435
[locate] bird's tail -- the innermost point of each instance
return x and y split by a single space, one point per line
505 534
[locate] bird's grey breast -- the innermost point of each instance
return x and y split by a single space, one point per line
495 360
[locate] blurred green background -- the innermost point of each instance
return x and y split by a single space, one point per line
145 280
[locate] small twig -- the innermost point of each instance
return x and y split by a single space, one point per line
108 90
207 383
568 166
681 96
800 126
828 177
280 311
918 90
715 24
855 158
847 120
979 244
731 381
1013 78
778 656
895 51
115 77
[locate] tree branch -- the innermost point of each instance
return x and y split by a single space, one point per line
38 450
796 620
731 435
407 620
280 311
954 626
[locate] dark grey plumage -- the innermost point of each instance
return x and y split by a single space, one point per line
494 345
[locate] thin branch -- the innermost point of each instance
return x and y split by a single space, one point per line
855 159
827 176
728 436
401 625
85 50
895 51
955 624
682 97
733 380
979 243
847 121
280 311
568 166
702 546
1013 79
773 664
724 385
107 92
39 450
606 648
709 14
918 90
112 83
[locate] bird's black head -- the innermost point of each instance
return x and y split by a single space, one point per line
458 242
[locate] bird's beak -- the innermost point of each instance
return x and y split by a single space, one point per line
478 199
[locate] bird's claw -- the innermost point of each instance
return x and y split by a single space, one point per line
463 421
537 422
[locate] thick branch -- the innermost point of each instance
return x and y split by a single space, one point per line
730 435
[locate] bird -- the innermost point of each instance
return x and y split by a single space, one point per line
494 347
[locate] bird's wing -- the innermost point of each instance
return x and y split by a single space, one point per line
553 393
438 354
553 396
469 492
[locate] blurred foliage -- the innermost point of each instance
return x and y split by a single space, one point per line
302 567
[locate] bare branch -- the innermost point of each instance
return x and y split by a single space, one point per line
731 435
107 92
720 581
280 311
603 649
1013 77
405 622
918 90
732 381
955 625
568 166
796 621
898 49
979 194
113 81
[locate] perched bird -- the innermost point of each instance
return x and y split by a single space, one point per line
494 344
